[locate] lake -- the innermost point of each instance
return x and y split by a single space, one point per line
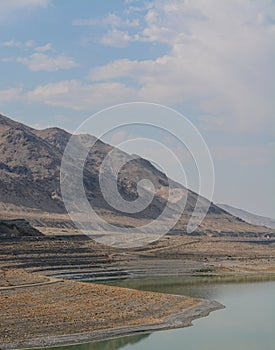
247 322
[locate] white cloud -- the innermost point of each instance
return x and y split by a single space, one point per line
130 1
10 94
131 23
221 55
122 68
116 35
44 48
75 95
41 61
21 4
116 38
15 43
11 7
110 20
12 43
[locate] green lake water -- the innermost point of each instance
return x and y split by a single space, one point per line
247 322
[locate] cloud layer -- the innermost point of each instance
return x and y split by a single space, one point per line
11 7
41 61
218 53
221 54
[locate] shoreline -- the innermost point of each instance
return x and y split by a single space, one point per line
213 277
229 277
37 311
173 321
65 312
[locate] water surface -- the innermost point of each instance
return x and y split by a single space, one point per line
247 322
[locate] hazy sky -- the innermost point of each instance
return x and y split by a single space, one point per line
212 60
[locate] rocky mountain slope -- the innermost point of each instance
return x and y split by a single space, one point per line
30 178
249 217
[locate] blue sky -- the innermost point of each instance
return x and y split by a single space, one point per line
61 61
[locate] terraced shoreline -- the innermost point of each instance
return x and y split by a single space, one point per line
42 304
37 313
78 257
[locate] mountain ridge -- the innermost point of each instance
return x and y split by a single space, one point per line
30 162
248 216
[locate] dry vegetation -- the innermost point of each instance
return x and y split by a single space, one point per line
67 307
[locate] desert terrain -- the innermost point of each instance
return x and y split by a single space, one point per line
39 311
45 259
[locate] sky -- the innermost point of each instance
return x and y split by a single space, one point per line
212 61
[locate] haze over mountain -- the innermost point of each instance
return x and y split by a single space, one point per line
30 178
249 217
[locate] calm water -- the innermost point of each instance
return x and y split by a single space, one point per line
247 323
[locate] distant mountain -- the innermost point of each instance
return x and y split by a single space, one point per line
249 217
30 162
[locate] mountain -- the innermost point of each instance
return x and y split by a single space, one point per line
249 217
30 163
29 168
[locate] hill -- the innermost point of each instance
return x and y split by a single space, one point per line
249 217
30 162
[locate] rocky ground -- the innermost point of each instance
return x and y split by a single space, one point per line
41 305
78 257
37 311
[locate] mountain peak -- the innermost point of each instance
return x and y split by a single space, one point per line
30 163
6 121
